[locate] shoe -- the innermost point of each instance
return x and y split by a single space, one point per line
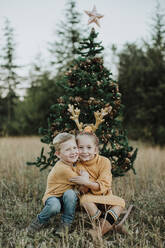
105 226
120 229
98 233
36 226
62 230
95 234
102 227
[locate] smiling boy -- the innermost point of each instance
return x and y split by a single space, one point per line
59 191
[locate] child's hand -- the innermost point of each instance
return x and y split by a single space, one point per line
83 189
81 180
84 173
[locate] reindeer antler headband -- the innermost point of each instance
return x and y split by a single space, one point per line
99 117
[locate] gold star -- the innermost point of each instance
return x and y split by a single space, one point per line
94 16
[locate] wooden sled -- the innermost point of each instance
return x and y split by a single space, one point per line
119 228
127 212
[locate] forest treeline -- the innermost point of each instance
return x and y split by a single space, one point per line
140 75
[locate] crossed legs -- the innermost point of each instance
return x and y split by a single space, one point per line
106 220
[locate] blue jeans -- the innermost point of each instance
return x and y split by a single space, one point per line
53 206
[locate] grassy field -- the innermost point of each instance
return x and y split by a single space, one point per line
22 187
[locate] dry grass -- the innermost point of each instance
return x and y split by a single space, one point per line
22 187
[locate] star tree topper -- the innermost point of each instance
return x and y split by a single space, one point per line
94 16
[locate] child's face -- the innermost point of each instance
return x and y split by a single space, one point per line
68 152
87 148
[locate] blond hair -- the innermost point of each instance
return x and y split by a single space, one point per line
61 138
91 135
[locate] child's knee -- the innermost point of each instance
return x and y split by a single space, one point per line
83 201
123 203
54 209
70 195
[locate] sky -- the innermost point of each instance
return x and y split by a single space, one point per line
35 22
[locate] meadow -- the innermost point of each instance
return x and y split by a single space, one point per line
22 188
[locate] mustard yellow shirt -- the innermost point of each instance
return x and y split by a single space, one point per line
58 180
99 170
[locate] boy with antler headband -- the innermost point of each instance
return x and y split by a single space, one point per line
97 177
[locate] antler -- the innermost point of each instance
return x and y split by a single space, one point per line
99 116
75 116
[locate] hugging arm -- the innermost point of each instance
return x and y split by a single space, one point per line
84 181
103 182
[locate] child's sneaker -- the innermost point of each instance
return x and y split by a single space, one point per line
36 226
62 230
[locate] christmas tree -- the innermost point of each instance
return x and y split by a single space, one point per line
89 88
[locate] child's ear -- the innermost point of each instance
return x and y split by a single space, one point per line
57 153
96 150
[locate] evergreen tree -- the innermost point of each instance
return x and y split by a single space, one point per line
132 64
69 34
155 80
142 80
89 87
3 111
42 93
158 28
9 77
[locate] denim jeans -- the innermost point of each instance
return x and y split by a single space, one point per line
54 204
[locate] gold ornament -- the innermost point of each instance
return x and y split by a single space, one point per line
94 16
71 98
117 102
98 83
129 155
127 161
60 100
78 99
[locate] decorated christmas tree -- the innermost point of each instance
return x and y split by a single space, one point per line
89 92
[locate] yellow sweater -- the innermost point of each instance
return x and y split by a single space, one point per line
58 180
99 170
